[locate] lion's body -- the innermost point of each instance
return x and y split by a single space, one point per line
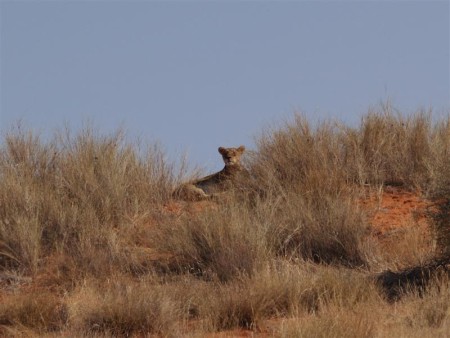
215 184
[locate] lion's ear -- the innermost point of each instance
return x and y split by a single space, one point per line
222 150
241 149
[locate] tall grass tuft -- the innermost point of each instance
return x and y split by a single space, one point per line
279 290
393 149
39 311
218 244
316 219
125 308
73 194
440 184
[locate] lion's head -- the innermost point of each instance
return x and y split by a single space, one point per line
231 156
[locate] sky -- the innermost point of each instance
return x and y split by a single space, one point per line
196 75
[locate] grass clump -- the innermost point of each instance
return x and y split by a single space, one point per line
124 308
302 167
279 290
392 149
440 187
217 244
68 196
387 148
322 229
88 221
38 311
332 324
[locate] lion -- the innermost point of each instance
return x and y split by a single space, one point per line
218 183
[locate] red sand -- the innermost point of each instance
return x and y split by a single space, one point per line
394 208
388 211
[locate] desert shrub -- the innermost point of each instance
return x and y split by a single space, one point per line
442 226
78 211
279 289
299 157
123 308
429 312
73 194
220 242
316 170
25 169
323 229
333 324
415 279
387 148
109 175
391 148
301 168
40 311
440 186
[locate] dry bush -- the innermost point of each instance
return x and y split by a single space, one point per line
387 148
316 172
300 168
90 207
433 309
390 148
337 324
25 168
123 307
278 290
219 243
299 157
71 195
109 175
439 166
320 228
440 187
40 311
402 248
442 227
417 314
396 285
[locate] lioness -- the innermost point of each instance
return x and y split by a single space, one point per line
211 186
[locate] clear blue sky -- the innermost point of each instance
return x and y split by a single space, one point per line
198 75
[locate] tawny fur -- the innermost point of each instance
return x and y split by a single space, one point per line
213 185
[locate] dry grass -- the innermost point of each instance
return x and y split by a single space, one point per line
330 324
416 315
92 245
123 307
74 195
216 244
392 149
38 311
277 290
409 246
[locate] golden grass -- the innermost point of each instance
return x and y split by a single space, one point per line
96 247
40 311
123 307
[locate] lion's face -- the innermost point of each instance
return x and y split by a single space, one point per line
231 156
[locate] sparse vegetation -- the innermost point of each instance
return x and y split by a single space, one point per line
92 244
